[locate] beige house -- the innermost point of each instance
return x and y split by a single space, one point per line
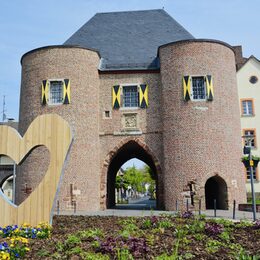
248 80
6 176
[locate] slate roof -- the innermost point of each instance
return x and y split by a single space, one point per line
129 40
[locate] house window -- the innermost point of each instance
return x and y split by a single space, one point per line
248 173
249 137
247 107
130 96
56 92
253 79
198 88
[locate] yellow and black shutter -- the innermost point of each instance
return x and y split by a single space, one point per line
45 92
66 91
186 81
209 87
116 97
143 96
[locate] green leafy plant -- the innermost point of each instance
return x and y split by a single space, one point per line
90 233
75 251
123 254
212 246
72 241
43 252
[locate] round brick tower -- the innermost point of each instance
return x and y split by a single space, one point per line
201 138
79 66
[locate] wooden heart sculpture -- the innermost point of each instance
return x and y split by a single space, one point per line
53 132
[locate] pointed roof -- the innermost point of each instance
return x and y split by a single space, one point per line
129 40
252 57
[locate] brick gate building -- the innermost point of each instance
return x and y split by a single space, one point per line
137 85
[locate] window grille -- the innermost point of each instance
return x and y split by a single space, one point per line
198 88
248 173
56 92
130 96
250 138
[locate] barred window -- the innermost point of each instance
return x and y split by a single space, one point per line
56 92
130 96
247 107
248 173
249 137
198 88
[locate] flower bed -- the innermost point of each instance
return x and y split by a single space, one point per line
165 237
14 240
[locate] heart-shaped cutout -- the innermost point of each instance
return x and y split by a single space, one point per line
54 133
26 176
30 172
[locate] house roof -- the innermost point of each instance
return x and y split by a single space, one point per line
247 60
129 40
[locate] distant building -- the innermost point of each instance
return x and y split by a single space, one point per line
6 176
248 80
7 168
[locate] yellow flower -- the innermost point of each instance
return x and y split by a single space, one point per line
25 225
4 256
27 248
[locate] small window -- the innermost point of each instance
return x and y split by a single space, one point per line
130 96
56 92
107 114
248 173
198 91
247 107
249 137
253 79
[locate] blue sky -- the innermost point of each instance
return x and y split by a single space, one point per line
28 24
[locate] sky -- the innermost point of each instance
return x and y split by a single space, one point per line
29 24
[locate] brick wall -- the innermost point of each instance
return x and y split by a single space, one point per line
200 139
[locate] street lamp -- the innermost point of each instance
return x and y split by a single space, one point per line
247 150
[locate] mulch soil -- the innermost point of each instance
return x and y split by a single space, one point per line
163 239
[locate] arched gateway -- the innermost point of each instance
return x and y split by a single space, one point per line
116 158
216 189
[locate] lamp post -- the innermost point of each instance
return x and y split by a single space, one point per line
247 150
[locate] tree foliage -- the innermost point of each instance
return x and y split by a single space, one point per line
136 178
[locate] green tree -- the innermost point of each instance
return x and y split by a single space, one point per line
137 179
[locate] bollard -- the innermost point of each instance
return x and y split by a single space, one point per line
215 207
176 205
187 205
58 207
234 209
75 206
200 207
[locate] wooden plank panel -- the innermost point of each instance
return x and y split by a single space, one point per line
53 132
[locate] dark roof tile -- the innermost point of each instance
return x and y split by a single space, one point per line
129 40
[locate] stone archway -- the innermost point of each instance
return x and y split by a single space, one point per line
216 189
126 150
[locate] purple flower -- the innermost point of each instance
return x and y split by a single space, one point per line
187 214
213 229
257 224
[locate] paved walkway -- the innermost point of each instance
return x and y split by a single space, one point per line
144 207
227 214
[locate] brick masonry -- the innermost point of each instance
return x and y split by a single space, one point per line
181 141
200 139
